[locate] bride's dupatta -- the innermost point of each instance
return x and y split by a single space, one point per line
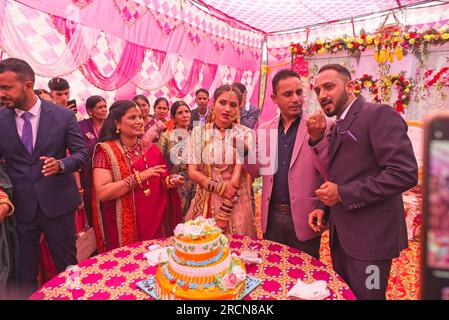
125 206
201 203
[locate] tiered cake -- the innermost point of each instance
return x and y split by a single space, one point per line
200 266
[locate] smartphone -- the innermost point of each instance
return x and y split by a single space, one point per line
435 245
71 104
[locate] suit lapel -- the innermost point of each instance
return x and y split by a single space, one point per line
45 121
346 124
300 136
10 127
274 125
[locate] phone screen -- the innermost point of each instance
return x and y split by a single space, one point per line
435 264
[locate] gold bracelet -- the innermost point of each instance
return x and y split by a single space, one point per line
138 178
228 202
222 188
222 218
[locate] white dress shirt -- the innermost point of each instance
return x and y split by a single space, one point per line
36 112
343 115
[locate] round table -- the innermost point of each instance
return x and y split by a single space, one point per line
114 274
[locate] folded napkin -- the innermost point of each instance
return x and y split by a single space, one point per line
157 255
314 291
250 257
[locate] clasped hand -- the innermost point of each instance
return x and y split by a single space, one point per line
50 167
328 193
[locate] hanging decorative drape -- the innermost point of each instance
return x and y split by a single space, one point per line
162 77
219 76
76 53
167 26
238 75
209 72
128 65
190 83
114 64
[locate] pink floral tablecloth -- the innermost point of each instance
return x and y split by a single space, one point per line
114 274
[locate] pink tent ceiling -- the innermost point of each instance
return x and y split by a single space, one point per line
282 15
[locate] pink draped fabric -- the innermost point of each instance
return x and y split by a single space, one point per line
238 75
255 96
125 78
126 92
159 56
190 83
209 73
147 33
128 65
269 110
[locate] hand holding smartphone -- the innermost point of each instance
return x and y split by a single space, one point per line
71 104
435 255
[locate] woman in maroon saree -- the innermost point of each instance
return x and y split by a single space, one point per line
134 198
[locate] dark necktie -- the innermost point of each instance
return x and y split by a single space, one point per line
27 133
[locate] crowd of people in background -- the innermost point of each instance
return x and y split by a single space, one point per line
137 173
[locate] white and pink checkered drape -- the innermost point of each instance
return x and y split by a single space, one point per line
149 48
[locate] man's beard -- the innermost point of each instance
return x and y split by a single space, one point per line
339 105
18 103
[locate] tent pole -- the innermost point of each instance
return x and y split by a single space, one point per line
263 73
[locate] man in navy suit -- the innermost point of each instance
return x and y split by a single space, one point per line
34 138
371 163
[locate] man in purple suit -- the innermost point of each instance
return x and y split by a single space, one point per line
289 168
370 163
34 138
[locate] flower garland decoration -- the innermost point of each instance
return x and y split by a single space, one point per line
367 82
438 79
403 86
388 42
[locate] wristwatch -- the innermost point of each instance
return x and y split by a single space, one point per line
61 166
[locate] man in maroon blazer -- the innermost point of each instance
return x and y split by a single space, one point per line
371 163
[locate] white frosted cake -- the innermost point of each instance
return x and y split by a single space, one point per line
200 266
